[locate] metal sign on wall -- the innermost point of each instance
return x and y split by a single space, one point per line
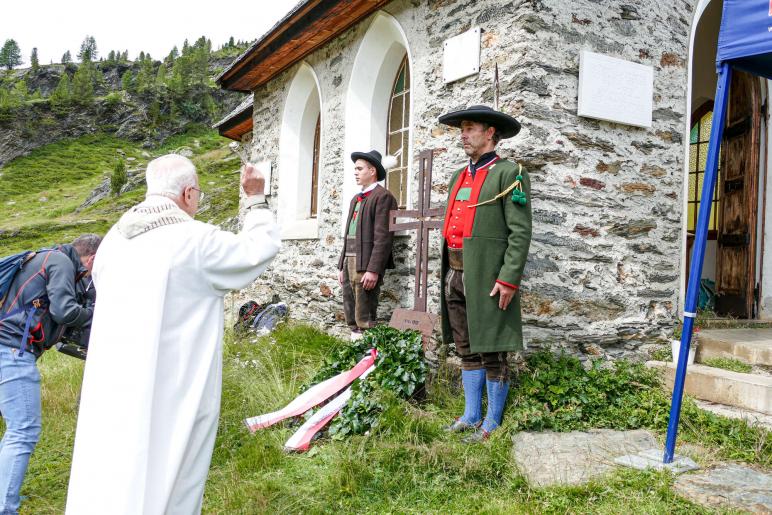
461 57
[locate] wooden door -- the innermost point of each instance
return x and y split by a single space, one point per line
736 256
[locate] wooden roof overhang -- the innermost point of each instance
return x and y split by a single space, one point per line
307 27
238 122
237 126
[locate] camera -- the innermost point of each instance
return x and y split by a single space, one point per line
74 340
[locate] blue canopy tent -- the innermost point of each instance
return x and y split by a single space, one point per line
744 43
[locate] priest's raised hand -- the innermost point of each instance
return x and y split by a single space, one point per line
252 180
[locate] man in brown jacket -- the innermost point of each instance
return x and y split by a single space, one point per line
367 249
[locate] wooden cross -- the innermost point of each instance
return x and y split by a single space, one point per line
424 220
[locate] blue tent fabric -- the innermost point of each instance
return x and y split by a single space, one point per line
745 39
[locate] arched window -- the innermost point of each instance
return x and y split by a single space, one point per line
299 157
378 107
315 168
398 139
702 119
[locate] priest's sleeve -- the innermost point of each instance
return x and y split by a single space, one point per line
233 261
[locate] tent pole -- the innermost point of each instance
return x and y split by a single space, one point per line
698 254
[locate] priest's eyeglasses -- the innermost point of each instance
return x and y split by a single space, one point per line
201 194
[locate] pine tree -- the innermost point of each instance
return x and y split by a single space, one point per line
20 90
127 81
88 50
33 59
111 57
67 57
145 77
173 55
118 178
160 77
10 54
231 44
83 83
180 81
141 56
62 95
154 111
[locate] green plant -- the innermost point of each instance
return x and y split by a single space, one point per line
665 353
118 178
400 369
735 365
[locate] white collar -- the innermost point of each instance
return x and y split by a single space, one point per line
370 188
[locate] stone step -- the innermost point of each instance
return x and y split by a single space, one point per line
747 391
753 418
752 346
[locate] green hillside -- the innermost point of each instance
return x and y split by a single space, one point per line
41 193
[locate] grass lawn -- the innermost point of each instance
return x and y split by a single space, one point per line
406 465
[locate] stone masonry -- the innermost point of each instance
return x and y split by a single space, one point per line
603 272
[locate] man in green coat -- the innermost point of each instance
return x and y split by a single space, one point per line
486 237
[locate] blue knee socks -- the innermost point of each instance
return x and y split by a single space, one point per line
497 398
474 382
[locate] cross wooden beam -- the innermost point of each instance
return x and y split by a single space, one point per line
424 220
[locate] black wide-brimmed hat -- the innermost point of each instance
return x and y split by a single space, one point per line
506 125
374 158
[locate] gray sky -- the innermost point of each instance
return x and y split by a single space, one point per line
155 26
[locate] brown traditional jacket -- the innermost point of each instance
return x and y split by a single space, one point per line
373 238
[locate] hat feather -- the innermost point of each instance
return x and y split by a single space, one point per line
389 162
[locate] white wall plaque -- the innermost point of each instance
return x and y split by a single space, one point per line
461 57
265 167
615 90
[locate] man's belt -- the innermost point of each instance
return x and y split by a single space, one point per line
351 246
456 259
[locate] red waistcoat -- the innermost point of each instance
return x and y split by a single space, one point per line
459 217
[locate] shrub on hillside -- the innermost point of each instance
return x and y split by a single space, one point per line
118 178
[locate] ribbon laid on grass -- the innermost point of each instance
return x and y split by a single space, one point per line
302 438
314 395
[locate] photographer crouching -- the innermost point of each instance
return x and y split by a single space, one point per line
41 304
74 341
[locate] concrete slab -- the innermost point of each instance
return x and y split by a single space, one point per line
573 458
652 458
752 346
748 391
729 486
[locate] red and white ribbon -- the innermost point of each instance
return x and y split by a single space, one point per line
303 436
314 395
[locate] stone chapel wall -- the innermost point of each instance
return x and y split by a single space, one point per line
603 272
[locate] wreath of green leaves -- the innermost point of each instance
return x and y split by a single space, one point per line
400 368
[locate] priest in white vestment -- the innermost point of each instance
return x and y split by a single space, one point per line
152 382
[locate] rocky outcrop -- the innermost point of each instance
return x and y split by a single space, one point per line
113 111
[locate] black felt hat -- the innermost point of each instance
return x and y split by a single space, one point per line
506 125
374 158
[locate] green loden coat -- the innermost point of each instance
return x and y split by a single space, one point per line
497 249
